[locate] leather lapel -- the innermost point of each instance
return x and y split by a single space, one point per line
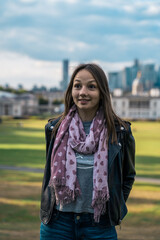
113 149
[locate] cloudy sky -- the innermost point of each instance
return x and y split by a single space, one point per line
36 35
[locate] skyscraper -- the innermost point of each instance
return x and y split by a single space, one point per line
115 80
148 76
129 74
64 82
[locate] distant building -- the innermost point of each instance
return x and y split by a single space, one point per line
137 104
27 104
129 74
137 86
18 105
149 76
64 82
124 79
51 97
115 80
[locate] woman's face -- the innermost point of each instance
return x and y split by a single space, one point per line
85 92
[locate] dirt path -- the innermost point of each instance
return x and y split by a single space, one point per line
39 170
25 169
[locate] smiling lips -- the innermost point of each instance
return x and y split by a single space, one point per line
83 101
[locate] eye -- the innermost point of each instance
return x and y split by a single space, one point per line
77 85
92 86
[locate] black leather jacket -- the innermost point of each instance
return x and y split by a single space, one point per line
121 174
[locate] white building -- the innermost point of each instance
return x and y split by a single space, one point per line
17 105
137 104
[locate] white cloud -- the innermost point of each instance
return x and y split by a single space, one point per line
81 30
101 3
132 6
152 10
50 1
149 23
96 18
63 1
149 40
128 8
69 45
114 66
16 68
41 8
143 41
28 1
116 4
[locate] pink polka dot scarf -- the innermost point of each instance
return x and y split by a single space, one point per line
70 138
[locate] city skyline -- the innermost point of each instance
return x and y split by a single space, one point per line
109 68
36 36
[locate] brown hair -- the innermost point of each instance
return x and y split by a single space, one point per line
105 101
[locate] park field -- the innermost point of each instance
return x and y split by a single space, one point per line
22 144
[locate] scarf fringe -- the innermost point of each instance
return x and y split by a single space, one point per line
55 182
99 203
64 194
67 196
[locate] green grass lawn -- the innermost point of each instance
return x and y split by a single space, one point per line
147 136
25 145
20 191
19 205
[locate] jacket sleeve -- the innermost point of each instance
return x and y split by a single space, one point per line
48 133
128 163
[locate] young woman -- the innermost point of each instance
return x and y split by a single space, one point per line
90 168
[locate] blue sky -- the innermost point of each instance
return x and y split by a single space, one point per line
36 35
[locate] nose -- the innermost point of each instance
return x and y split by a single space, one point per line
83 91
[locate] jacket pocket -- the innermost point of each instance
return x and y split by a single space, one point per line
124 209
115 204
47 199
47 203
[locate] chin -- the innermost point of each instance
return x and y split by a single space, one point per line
83 107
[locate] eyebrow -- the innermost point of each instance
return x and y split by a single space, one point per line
89 80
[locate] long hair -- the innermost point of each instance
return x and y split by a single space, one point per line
105 99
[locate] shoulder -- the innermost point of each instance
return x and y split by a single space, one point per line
124 135
124 127
51 123
124 132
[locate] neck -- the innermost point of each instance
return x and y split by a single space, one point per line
86 116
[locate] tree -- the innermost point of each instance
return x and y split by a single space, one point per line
43 101
57 101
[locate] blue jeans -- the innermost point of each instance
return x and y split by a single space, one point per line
74 226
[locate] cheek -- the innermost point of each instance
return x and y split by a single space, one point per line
98 97
73 94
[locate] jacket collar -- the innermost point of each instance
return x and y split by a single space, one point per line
114 148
